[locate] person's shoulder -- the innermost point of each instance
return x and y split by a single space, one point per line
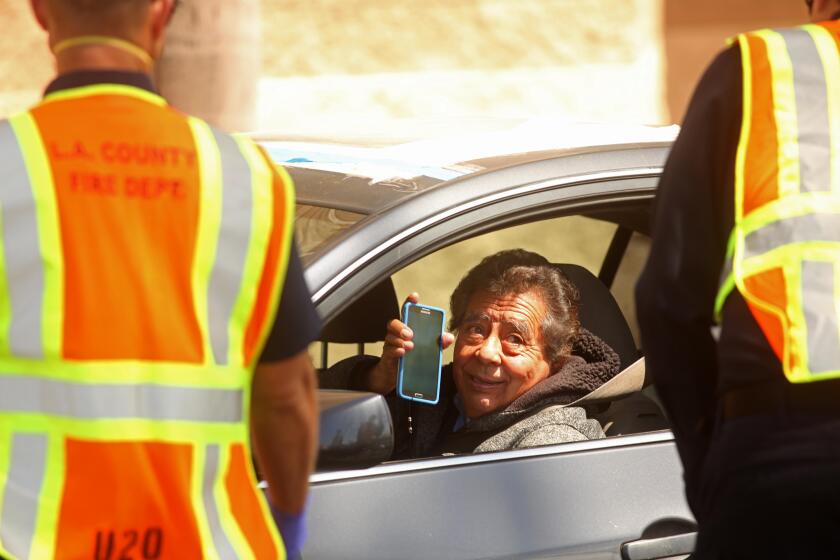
561 424
555 424
723 72
546 426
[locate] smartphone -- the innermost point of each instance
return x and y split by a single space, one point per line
419 377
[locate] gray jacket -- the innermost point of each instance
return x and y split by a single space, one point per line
536 418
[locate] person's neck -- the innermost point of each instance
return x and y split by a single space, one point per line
99 57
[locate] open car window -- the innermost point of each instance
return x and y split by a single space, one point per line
570 239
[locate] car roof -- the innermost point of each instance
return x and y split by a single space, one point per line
367 175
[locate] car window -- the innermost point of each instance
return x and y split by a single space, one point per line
572 239
569 239
315 225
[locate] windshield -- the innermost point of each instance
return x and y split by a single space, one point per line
315 225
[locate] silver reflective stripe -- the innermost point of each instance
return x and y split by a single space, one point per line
220 539
799 229
821 322
232 247
27 465
24 266
154 402
811 111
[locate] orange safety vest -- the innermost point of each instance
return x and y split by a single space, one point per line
784 251
142 255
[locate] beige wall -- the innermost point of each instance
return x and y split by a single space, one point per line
25 66
359 61
350 63
356 63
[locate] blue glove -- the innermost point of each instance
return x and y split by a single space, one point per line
292 527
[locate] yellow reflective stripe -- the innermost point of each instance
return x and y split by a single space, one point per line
261 223
784 102
130 429
827 49
736 240
209 222
130 372
5 307
746 127
105 89
727 285
40 177
50 499
229 524
197 495
797 335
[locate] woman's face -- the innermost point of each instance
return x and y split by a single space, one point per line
498 352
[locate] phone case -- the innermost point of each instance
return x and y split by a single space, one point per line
440 355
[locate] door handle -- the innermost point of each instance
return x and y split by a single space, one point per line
674 546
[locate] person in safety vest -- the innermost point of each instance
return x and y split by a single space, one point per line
153 316
747 236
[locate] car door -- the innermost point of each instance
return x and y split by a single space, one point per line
573 500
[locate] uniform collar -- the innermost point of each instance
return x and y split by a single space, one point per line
84 78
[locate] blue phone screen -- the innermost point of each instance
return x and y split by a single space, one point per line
421 366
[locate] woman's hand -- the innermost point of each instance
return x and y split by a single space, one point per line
383 377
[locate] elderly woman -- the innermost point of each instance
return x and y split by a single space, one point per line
520 354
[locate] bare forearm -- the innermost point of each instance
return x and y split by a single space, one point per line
284 421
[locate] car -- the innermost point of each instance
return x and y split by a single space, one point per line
380 219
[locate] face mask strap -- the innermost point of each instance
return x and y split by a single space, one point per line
87 40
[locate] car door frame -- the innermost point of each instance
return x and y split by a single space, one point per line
391 497
387 241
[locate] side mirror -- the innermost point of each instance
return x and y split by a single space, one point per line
356 430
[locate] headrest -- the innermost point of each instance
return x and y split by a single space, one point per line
365 320
599 313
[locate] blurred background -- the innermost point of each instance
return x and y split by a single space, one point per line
319 67
342 69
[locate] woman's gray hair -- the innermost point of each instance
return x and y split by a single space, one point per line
517 271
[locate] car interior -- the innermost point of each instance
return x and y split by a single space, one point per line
623 405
